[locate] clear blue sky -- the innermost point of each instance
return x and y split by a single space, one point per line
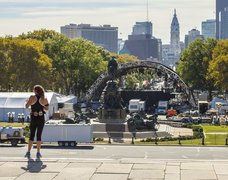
18 16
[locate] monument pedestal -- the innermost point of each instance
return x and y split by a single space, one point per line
112 115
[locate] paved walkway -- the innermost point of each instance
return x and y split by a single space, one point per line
110 169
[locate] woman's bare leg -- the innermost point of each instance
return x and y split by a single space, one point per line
38 145
30 145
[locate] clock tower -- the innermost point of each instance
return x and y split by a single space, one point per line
175 35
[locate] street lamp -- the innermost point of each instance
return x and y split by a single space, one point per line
218 114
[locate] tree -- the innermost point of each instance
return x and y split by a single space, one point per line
54 44
4 62
194 62
23 64
90 64
218 67
42 35
76 63
125 58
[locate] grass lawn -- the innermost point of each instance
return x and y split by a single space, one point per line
216 139
208 128
6 124
183 142
211 139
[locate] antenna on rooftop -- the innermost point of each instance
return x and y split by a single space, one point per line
147 10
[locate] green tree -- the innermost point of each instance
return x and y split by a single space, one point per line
194 63
76 62
124 58
54 43
24 64
42 35
4 62
218 67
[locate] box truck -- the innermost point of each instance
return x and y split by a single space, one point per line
67 134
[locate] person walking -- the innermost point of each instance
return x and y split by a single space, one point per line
39 104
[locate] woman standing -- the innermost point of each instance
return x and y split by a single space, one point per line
38 105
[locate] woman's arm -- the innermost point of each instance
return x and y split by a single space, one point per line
46 104
29 102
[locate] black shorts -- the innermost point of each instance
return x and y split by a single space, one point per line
36 126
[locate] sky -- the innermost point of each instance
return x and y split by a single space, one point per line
18 16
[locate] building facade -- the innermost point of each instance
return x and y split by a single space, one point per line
192 36
171 52
143 28
104 36
143 46
224 23
209 28
175 35
221 19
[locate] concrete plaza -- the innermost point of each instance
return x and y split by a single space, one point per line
122 169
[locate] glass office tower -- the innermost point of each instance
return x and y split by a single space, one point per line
221 19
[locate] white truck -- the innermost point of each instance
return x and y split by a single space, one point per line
162 107
67 134
12 134
136 105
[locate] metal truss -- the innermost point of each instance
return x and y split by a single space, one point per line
98 86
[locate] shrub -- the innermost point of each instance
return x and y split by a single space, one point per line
99 139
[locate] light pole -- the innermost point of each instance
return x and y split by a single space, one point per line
218 114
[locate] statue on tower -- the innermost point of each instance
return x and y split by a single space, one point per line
112 95
112 111
112 67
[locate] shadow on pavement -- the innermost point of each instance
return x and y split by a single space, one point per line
66 147
34 166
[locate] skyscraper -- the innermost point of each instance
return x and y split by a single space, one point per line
221 20
143 28
143 46
175 35
224 23
192 35
209 28
171 52
104 36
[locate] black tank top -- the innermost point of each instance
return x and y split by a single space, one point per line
37 106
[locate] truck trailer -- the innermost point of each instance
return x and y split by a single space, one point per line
67 134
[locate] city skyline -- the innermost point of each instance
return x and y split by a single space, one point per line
18 16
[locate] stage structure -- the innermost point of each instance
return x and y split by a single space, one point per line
95 91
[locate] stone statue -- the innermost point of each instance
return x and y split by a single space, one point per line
112 111
112 98
112 67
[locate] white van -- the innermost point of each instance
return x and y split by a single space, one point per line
162 107
136 105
